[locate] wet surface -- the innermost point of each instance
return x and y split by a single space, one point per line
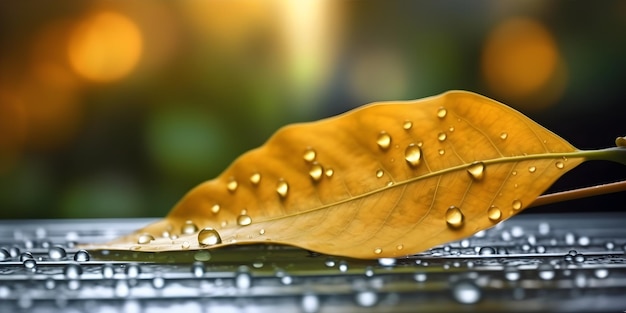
566 263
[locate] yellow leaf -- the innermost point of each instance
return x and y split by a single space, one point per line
385 180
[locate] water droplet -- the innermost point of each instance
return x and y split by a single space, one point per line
144 239
56 252
454 217
73 271
282 188
486 251
514 173
255 178
579 258
82 256
316 171
244 220
413 155
329 172
379 173
108 271
25 256
188 228
309 155
5 255
384 140
476 170
209 237
262 231
532 169
202 255
584 241
378 251
504 135
122 289
545 271
517 204
407 125
442 137
215 208
30 264
158 282
185 245
442 151
442 112
387 262
197 269
559 164
451 129
310 303
329 262
400 247
133 271
343 266
466 292
232 184
494 214
243 280
366 298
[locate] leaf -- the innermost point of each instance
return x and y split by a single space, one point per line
385 180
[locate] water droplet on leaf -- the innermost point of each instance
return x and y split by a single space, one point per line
316 171
82 256
494 214
384 140
413 155
329 172
255 178
189 228
476 170
209 237
215 208
442 112
244 220
232 185
309 155
454 217
379 173
282 188
442 152
442 137
517 204
559 164
407 125
145 239
504 136
532 169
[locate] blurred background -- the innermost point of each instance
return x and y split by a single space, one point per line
117 108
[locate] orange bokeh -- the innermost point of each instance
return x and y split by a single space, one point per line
521 61
105 47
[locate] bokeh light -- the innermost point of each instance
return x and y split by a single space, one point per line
520 60
105 47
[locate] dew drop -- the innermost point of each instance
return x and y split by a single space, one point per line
185 245
476 170
451 129
316 171
442 137
400 247
559 164
108 271
232 185
262 231
487 251
378 251
379 173
202 255
601 273
407 125
442 112
504 135
384 140
30 264
545 271
244 220
197 269
215 208
454 217
442 152
189 228
133 271
209 237
255 178
494 214
56 252
413 154
158 282
145 239
309 154
387 262
517 204
466 292
282 188
514 173
5 255
82 256
329 172
532 169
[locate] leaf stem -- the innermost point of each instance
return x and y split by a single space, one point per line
579 193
